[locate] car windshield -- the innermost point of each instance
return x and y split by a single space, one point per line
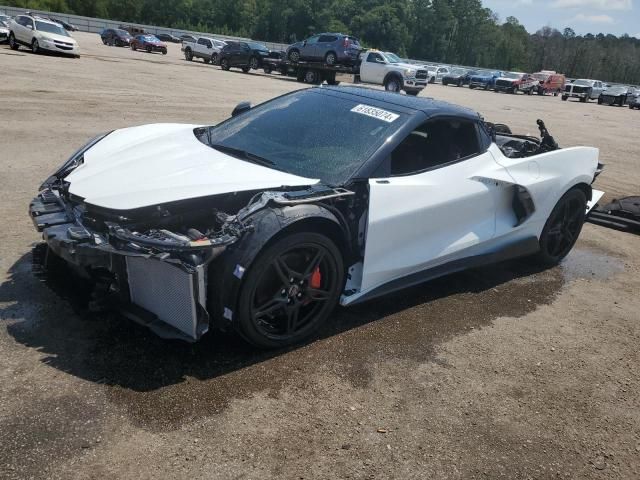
123 33
617 90
309 133
585 83
458 71
484 73
150 38
512 75
258 46
541 76
392 57
51 28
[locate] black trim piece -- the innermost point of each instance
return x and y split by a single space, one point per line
527 246
613 221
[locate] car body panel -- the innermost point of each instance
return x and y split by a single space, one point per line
164 163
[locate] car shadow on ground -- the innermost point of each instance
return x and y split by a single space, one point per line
52 317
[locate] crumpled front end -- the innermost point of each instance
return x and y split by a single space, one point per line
156 276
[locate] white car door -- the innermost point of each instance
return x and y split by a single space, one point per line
431 208
22 32
375 68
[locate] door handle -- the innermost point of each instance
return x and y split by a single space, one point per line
383 182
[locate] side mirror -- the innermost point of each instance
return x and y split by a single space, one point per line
241 108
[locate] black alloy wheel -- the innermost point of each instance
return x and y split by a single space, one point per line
563 227
214 59
254 63
224 64
290 290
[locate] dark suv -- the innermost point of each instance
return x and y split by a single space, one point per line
330 48
116 37
244 55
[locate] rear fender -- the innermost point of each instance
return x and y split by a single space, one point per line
226 273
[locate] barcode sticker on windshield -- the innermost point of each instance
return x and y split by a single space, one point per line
374 112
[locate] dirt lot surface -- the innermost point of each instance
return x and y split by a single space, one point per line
504 372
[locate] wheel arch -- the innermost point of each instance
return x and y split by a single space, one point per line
226 273
393 74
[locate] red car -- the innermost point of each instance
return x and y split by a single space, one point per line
149 43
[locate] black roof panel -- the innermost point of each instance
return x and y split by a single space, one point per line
429 106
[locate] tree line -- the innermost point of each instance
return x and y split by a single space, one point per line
448 31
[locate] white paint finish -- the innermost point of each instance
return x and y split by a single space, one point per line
152 164
422 221
596 195
417 219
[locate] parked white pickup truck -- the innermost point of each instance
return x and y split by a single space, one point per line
386 68
206 48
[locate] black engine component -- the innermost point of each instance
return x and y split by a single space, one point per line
622 214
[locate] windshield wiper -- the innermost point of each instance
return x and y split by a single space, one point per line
243 155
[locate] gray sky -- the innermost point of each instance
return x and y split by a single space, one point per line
584 16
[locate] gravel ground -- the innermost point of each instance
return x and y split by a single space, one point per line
504 372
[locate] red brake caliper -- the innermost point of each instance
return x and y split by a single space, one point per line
316 278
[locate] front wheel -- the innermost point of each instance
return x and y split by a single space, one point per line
148 49
224 64
563 227
254 63
290 290
246 69
12 42
413 93
564 98
35 46
214 59
294 56
188 55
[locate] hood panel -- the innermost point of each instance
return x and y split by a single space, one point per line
152 164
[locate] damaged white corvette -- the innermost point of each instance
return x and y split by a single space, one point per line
263 223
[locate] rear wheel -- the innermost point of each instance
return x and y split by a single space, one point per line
12 42
148 49
331 58
563 227
224 64
290 290
392 84
311 76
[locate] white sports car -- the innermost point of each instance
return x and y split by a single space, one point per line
264 222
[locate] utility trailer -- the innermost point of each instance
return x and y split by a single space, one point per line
309 72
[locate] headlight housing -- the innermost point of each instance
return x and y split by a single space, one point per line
73 162
409 72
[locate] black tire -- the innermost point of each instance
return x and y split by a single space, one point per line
12 42
445 83
104 41
133 47
188 55
393 84
562 227
294 56
413 93
564 98
269 318
486 87
35 46
599 101
164 51
472 86
583 99
267 69
459 84
432 80
530 91
148 49
254 63
246 69
312 77
214 59
206 60
224 64
331 58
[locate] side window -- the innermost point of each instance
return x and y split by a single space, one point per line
201 41
312 40
327 38
434 144
375 58
207 43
